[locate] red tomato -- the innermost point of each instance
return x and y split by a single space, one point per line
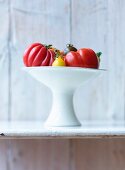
73 59
89 58
38 55
84 57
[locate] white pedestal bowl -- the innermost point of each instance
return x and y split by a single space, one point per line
62 81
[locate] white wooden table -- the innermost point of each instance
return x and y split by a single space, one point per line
37 130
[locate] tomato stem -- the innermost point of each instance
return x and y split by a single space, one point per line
58 54
48 46
71 46
99 54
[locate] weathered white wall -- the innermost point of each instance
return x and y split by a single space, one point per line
98 24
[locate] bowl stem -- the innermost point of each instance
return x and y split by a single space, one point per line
62 113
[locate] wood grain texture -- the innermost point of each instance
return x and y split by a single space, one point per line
39 154
4 152
37 22
4 60
116 38
89 29
99 154
98 26
4 77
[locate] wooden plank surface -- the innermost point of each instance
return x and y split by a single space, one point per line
4 60
37 130
99 154
4 154
98 25
116 37
46 22
37 22
39 154
89 29
4 78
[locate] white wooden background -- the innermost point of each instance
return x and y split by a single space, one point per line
98 24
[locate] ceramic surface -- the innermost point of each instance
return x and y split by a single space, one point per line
62 81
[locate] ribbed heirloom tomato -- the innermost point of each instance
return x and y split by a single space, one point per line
84 57
38 54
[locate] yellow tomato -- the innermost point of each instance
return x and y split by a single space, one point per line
58 62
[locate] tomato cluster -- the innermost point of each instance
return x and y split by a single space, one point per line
38 54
